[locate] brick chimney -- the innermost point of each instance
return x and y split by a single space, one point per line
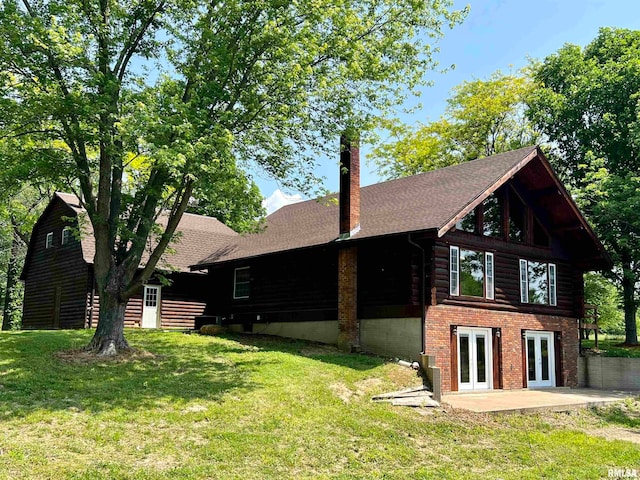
348 325
349 186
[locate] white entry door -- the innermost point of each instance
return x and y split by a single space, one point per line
541 367
151 306
475 359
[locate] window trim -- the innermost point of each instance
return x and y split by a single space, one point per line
552 283
235 283
66 236
48 241
489 276
454 274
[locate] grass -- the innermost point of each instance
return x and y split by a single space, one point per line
243 407
611 346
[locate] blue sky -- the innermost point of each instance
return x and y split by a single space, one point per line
498 35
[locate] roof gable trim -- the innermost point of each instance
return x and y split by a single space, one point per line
484 195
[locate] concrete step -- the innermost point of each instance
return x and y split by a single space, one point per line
415 402
421 391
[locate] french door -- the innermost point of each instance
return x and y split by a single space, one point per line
474 358
540 359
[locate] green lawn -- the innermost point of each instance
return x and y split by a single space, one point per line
250 407
609 346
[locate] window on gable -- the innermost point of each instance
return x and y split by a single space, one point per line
48 243
540 237
517 218
492 218
538 283
468 222
241 282
471 273
66 235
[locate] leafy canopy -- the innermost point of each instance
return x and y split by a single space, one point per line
586 101
482 118
149 102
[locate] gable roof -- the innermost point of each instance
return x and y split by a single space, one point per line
431 201
198 234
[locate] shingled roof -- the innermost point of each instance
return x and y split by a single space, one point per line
426 202
198 234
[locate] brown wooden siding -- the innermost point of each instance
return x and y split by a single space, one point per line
292 286
302 285
55 277
569 286
181 303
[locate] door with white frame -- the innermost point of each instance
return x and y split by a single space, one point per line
151 306
475 359
540 356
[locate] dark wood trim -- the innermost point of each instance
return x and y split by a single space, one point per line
454 359
497 358
557 353
524 359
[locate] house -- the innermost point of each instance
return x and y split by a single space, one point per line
475 268
58 273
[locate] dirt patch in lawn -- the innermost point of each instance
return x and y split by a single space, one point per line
79 356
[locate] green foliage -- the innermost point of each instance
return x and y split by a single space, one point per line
146 103
482 118
586 101
252 407
601 292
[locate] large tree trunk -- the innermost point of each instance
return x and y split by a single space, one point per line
109 337
11 313
629 302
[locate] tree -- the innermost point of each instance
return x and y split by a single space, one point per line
601 292
482 118
586 101
188 89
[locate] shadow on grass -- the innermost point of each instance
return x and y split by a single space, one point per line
316 351
33 378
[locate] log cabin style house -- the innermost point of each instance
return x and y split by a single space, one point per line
476 269
59 290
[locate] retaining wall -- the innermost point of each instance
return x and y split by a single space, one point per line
609 373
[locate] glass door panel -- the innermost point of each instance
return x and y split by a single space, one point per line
540 359
474 358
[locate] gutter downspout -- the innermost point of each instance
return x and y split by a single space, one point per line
422 294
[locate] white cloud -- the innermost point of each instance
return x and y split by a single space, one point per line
278 200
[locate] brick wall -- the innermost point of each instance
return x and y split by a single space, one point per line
347 297
440 318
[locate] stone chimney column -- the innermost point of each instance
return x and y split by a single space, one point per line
348 325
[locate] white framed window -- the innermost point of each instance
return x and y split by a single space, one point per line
48 243
454 275
538 283
241 282
66 235
524 282
471 273
552 285
488 273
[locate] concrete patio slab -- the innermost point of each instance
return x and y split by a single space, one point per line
527 400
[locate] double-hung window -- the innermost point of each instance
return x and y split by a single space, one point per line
471 273
241 282
538 283
48 243
66 235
